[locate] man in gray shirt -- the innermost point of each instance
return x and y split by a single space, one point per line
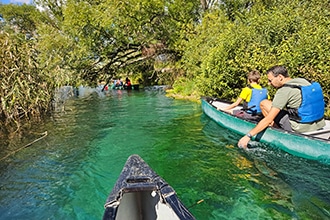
286 102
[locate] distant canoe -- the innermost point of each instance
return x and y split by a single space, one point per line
140 193
135 86
132 87
311 145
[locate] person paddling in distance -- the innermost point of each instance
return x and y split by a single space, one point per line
251 96
298 105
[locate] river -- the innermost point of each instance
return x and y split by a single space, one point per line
69 173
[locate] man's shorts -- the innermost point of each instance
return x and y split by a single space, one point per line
282 120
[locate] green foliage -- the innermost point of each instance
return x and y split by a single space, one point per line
24 90
22 18
55 57
184 87
291 33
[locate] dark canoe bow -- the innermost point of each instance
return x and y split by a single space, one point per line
311 145
140 193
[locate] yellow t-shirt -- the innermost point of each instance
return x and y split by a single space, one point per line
247 92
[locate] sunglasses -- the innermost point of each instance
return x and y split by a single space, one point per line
270 80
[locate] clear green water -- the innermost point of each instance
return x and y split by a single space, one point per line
69 174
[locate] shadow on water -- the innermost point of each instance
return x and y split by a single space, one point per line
69 174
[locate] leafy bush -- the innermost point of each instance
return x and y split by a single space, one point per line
291 33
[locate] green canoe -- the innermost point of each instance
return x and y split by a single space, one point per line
315 146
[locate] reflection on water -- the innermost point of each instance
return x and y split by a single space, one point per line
69 174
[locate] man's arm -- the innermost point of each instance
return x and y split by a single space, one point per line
264 123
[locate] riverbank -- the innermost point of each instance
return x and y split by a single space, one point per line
192 97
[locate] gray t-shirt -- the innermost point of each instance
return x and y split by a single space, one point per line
291 98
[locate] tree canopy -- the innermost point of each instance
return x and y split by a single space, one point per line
107 37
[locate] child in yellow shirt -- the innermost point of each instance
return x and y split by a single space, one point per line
252 95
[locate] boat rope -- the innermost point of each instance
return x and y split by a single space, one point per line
44 134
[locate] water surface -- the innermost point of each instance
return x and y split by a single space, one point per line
69 173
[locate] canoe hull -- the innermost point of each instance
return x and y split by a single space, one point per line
140 193
293 143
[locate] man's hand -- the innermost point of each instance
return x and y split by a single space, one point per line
243 142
